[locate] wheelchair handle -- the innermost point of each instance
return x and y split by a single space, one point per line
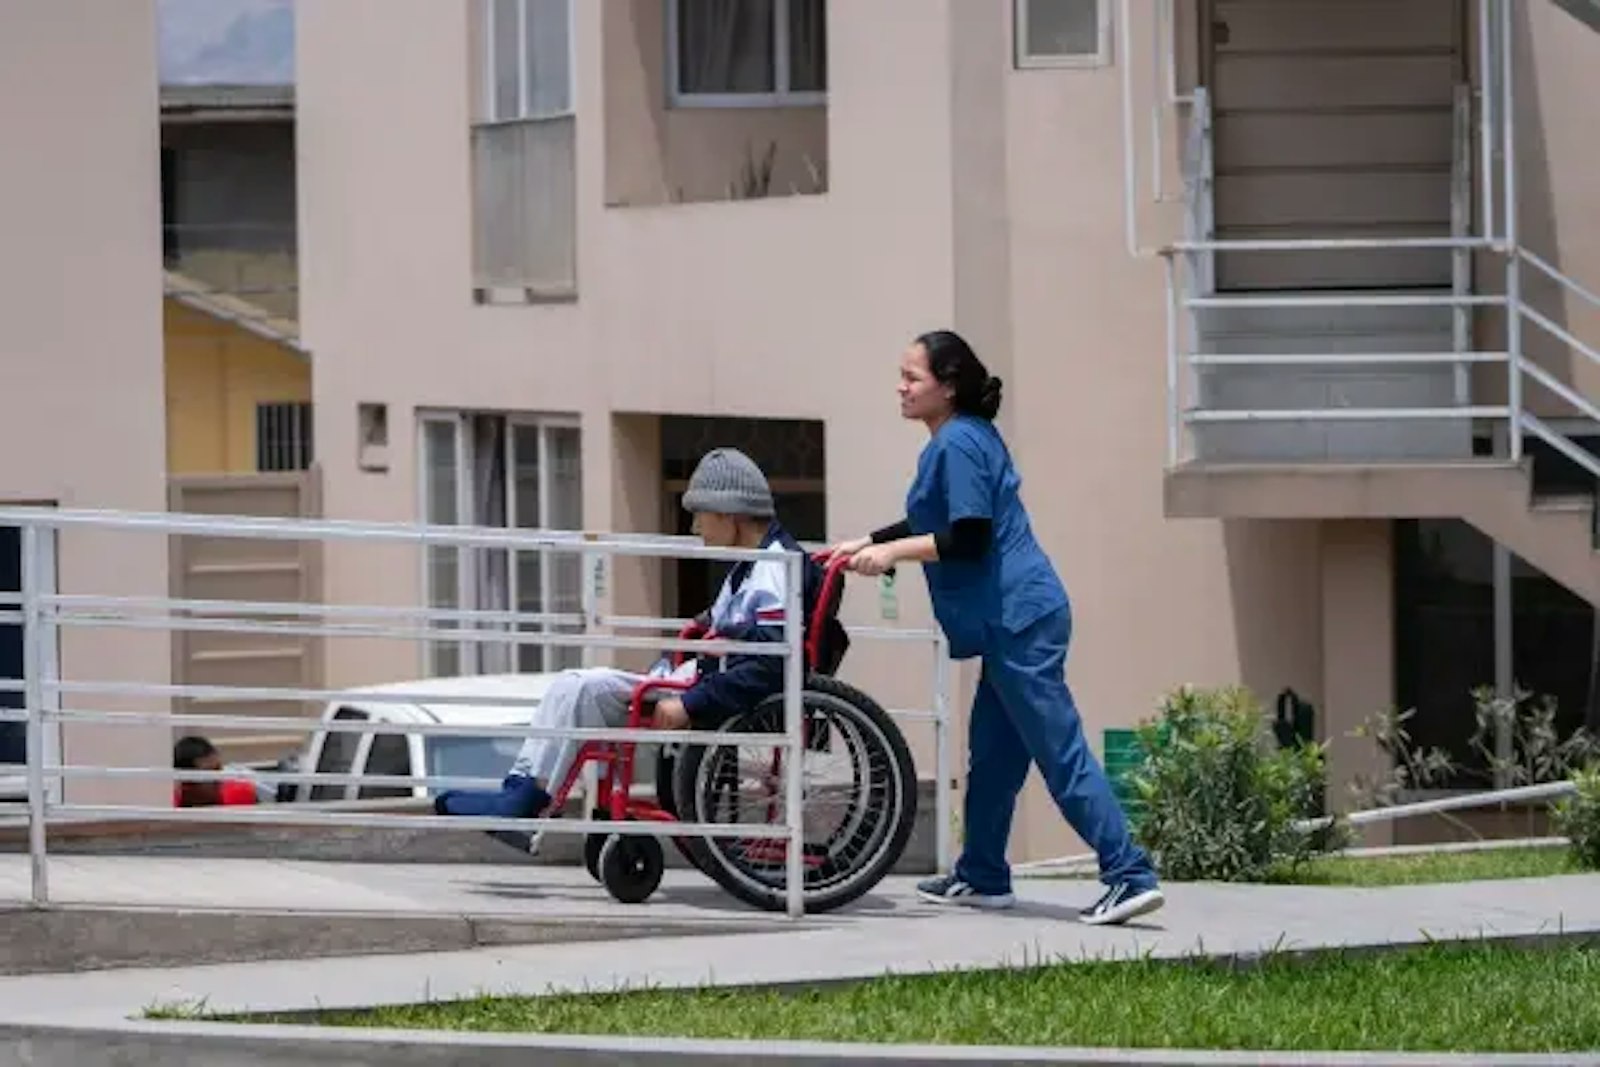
821 559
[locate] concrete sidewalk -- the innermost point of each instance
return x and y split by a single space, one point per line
701 936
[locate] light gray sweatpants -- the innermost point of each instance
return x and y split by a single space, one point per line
589 698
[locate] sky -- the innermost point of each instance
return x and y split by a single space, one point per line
249 42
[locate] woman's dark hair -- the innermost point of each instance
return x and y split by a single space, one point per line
954 363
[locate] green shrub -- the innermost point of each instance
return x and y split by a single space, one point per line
1220 802
1577 817
1515 742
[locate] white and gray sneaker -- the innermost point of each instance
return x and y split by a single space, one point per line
948 889
1121 902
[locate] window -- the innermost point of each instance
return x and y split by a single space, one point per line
390 755
514 471
283 437
1063 33
747 53
337 755
523 160
527 59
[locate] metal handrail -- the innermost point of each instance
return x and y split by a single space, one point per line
44 613
1345 414
1561 443
1557 276
1330 244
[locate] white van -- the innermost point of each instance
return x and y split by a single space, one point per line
418 755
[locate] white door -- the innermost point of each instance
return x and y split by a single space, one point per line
1333 119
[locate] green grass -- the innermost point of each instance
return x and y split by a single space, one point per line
1432 867
1470 998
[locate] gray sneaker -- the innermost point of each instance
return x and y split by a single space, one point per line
948 889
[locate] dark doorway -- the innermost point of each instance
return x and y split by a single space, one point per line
1444 626
792 454
13 735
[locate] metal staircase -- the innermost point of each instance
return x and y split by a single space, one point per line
1365 401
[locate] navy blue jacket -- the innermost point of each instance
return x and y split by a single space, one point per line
749 607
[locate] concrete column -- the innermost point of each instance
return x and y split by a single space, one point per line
1358 648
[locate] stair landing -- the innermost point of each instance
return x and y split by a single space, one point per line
1492 495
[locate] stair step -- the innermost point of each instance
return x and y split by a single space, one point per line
1564 504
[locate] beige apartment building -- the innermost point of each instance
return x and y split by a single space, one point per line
80 355
551 250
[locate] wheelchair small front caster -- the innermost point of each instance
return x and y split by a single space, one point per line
592 844
631 867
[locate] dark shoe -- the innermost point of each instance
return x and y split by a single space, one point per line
1121 902
517 798
948 889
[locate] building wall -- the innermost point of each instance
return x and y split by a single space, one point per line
80 358
683 309
1157 603
216 374
657 154
962 191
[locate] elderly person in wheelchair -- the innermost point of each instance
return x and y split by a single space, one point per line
732 506
859 780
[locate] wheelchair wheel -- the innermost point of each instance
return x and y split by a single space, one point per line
666 776
631 867
860 799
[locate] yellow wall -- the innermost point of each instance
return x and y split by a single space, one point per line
216 375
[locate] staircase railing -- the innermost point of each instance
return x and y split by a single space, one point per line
1191 273
1461 227
1526 420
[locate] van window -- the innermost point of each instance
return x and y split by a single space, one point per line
338 752
389 755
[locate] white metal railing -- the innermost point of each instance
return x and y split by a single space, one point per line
1191 288
46 613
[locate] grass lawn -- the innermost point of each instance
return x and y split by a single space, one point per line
1433 867
1471 998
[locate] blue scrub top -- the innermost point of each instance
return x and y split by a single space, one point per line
965 471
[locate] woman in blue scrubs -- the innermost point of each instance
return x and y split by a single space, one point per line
997 597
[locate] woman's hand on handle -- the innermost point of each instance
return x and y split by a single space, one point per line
874 560
847 550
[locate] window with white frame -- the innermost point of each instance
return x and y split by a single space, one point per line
523 151
526 59
1063 33
515 471
747 53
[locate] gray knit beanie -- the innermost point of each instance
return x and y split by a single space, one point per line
728 482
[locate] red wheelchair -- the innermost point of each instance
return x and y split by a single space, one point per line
858 778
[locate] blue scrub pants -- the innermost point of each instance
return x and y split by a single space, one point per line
1024 713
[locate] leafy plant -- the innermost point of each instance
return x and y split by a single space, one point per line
1577 817
1220 802
1515 737
754 180
1535 752
1408 768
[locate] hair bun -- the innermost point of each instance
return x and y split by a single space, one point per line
989 403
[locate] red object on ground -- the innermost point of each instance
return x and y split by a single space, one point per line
230 792
237 792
